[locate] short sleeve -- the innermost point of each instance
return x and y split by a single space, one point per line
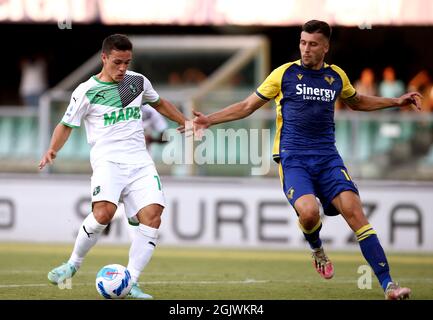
149 94
77 108
347 89
271 87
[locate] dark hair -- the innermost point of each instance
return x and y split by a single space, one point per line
116 42
318 26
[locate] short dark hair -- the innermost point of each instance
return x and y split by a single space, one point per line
318 26
116 42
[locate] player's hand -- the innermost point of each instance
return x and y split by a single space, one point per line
412 99
181 129
48 157
186 128
201 122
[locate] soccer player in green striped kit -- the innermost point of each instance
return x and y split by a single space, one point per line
109 104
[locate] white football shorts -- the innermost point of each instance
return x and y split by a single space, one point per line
137 186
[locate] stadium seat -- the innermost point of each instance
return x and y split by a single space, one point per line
6 134
366 136
26 138
342 137
428 159
407 129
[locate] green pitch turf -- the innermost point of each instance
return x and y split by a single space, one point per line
203 273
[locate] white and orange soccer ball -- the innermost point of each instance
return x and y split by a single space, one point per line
113 281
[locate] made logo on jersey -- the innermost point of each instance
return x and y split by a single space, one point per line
315 94
129 113
300 76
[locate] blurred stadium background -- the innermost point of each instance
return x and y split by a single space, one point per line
207 54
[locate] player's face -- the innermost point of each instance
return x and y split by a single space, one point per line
313 47
116 63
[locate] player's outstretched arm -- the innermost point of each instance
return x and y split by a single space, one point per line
236 111
170 111
361 102
60 136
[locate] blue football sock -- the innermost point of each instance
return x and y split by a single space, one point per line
374 254
312 236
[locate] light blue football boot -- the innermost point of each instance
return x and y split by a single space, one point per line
136 293
61 273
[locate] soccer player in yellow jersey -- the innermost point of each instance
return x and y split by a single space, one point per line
310 166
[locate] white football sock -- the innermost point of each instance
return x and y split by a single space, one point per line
88 235
141 250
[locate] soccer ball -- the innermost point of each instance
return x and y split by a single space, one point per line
113 281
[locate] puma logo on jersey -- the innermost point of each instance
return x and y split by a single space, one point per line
100 95
129 113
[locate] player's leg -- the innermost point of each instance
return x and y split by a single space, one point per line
91 230
299 190
145 240
143 245
88 234
310 223
106 187
339 194
144 196
349 205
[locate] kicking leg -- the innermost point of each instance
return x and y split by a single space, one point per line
143 245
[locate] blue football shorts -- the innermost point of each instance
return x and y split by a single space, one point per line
324 176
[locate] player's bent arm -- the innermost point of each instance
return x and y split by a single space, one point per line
237 110
60 136
169 110
360 102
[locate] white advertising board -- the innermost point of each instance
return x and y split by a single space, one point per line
215 212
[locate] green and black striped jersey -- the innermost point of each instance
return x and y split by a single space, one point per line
111 112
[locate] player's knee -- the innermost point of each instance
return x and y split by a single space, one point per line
103 213
155 221
103 217
154 218
309 215
151 215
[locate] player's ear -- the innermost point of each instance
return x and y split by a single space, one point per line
104 57
326 46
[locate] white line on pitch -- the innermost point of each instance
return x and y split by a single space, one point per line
211 282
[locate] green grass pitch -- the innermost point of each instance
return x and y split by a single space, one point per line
209 274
